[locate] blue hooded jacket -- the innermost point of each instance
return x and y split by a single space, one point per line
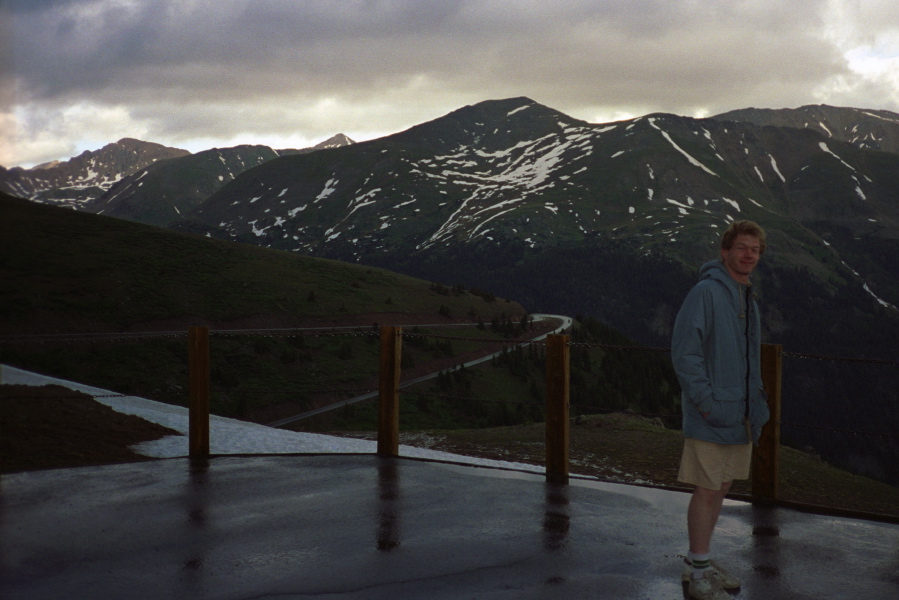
716 350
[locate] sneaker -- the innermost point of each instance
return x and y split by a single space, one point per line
707 589
717 573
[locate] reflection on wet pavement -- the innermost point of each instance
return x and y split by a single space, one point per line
362 527
388 505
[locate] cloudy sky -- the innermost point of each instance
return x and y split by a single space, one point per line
195 74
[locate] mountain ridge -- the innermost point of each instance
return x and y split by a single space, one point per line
868 129
81 181
77 180
176 187
253 210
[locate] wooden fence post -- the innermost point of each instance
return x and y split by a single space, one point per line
389 391
198 391
557 397
766 457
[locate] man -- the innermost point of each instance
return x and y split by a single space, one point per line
716 351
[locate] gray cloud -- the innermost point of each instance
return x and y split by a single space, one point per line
207 68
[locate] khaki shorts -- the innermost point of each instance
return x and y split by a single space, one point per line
711 465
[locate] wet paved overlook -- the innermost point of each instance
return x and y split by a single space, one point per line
361 527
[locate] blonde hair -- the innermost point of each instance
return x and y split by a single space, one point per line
743 227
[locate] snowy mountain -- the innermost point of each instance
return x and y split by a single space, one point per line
516 176
107 180
863 128
335 141
74 182
162 192
165 191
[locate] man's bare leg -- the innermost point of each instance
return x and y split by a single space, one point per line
702 516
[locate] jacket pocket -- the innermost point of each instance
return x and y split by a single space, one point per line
727 409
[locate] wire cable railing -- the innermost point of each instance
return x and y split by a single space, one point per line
415 386
363 331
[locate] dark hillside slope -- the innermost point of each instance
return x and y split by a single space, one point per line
66 271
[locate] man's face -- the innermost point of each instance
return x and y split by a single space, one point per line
742 257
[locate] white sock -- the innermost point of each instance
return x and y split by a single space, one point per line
700 564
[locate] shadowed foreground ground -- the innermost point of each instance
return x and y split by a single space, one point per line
361 527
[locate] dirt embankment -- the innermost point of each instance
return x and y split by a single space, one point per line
51 427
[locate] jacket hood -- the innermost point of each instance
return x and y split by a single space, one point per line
714 269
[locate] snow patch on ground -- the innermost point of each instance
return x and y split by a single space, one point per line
776 170
231 436
330 186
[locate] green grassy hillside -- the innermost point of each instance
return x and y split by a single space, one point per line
65 272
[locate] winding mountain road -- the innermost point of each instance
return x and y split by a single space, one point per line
565 325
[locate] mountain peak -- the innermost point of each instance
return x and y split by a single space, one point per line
516 109
46 165
335 141
490 125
